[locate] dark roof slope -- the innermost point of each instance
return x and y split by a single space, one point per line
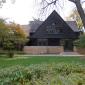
73 25
34 25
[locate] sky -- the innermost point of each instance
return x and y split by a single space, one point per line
23 11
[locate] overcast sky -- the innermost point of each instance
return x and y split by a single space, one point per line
22 11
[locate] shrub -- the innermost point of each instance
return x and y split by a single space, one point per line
44 74
80 42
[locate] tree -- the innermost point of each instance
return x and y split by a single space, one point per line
47 3
12 37
75 16
5 34
20 36
4 1
3 31
80 10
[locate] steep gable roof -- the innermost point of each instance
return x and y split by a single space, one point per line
54 18
71 24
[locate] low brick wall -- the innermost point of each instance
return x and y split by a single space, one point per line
80 50
43 49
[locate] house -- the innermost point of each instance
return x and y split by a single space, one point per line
52 34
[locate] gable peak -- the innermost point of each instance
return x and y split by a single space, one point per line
54 12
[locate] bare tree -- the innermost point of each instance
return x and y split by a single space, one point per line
1 2
47 3
4 1
80 10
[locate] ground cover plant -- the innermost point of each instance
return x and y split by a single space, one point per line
42 70
44 74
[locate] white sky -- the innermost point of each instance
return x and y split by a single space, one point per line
24 10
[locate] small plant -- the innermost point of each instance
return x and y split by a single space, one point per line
10 54
44 74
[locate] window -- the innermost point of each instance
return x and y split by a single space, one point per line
42 42
51 30
54 29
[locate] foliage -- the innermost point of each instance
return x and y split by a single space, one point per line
12 37
44 74
20 36
75 16
80 42
4 31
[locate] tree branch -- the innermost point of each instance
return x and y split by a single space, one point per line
83 2
74 1
48 4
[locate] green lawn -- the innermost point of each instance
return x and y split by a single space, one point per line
27 60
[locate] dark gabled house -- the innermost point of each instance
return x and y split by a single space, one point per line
54 31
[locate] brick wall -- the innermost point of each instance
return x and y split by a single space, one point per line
43 49
80 50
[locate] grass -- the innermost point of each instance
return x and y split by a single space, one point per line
27 60
39 70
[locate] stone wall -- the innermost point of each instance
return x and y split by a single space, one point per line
43 49
79 50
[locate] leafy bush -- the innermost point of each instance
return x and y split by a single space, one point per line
44 74
81 42
12 37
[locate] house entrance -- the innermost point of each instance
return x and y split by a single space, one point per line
68 45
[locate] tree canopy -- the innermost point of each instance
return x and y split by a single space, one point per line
12 36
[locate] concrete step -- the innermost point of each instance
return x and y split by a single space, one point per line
69 53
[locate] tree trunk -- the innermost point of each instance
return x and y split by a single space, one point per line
80 10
